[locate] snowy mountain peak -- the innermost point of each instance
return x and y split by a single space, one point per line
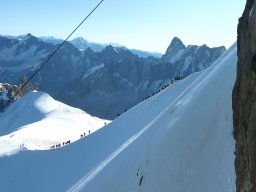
174 51
80 40
191 57
29 35
24 38
109 51
117 54
176 42
32 39
80 43
110 48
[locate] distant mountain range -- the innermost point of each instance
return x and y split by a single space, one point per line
103 80
82 44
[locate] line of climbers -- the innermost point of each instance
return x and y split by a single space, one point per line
122 113
158 91
83 135
68 142
177 78
59 145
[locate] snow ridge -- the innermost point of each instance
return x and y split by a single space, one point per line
41 123
82 183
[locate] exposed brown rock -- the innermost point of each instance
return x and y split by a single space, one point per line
244 101
13 92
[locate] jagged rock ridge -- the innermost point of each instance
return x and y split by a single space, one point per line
244 101
8 91
102 83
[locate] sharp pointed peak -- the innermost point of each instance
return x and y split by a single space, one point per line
177 41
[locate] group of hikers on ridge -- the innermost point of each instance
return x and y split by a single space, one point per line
83 135
177 78
59 144
68 142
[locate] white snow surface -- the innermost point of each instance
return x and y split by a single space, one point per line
177 56
179 140
37 122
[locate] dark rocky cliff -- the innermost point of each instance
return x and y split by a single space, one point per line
244 101
8 92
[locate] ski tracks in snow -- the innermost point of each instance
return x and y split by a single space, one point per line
83 182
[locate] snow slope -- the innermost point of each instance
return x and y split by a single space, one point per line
37 122
179 140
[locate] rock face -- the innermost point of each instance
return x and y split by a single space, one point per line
244 101
7 91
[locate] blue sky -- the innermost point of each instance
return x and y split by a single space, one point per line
141 24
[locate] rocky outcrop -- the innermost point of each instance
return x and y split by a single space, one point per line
12 92
244 101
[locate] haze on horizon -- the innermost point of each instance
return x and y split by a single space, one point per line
138 24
